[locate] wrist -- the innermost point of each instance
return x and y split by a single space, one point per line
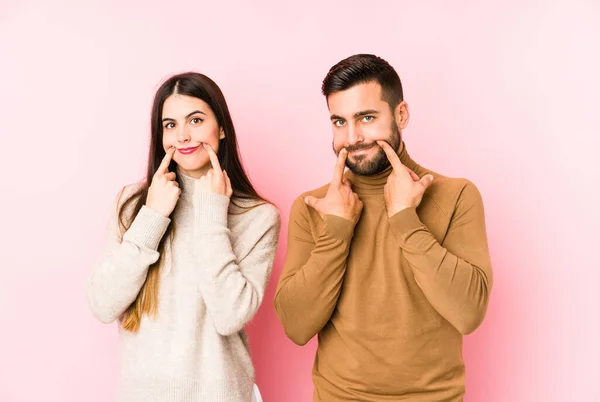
211 209
147 229
157 210
348 218
396 209
335 226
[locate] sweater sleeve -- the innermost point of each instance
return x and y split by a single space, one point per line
232 288
118 278
455 276
313 273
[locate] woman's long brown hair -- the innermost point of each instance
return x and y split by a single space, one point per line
199 86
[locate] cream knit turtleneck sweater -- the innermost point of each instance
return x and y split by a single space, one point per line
212 283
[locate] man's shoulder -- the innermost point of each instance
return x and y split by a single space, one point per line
445 186
448 192
319 192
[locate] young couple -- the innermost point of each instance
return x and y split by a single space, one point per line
388 263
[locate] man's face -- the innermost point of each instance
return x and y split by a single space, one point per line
360 118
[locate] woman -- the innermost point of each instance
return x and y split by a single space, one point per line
191 252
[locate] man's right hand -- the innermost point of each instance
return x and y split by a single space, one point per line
340 200
164 191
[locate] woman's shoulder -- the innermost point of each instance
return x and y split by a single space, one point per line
125 194
130 189
254 209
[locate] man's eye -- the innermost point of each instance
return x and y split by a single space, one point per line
368 119
339 123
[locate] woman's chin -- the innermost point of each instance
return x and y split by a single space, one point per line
188 164
195 171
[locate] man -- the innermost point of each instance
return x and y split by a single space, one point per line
389 263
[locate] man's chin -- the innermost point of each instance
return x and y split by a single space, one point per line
374 165
367 168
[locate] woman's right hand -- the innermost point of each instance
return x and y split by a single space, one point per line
164 190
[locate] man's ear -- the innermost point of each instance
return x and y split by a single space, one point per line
402 115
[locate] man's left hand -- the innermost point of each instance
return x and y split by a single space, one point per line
404 189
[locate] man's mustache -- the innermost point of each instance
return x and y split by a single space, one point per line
359 147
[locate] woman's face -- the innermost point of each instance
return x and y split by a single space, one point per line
187 123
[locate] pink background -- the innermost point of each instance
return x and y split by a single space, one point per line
504 94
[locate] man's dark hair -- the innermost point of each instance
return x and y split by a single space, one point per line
362 68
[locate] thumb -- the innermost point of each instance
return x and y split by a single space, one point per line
413 175
426 180
311 201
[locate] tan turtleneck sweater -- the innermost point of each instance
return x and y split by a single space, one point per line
389 298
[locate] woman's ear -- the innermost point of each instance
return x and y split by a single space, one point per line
222 134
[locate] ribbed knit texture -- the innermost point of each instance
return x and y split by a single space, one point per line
212 282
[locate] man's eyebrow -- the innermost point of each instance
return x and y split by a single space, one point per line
356 115
365 113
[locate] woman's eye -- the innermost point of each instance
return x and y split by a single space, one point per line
196 120
170 125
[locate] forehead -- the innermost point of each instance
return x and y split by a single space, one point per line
357 98
178 105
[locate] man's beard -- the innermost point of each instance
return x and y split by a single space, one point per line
379 162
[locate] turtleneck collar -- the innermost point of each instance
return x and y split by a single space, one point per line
374 184
186 183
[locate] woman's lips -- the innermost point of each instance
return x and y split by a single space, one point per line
187 151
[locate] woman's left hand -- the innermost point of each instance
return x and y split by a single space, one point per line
216 179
